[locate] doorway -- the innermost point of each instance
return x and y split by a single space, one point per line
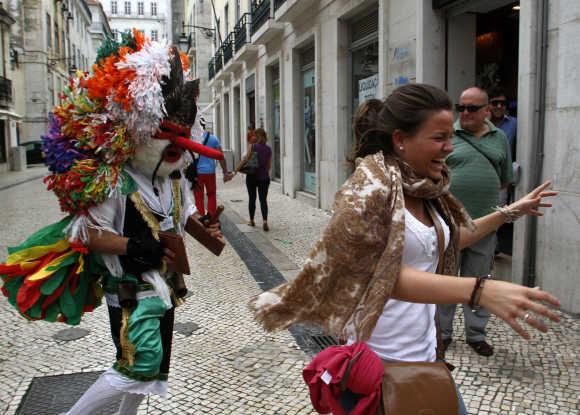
226 133
237 142
275 120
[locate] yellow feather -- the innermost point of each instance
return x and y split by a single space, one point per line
45 272
36 252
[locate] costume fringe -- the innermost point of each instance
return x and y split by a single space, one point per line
146 214
127 348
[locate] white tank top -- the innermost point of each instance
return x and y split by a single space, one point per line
406 331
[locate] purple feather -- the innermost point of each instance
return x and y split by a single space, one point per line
60 151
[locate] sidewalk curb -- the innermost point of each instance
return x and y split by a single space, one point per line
30 179
311 340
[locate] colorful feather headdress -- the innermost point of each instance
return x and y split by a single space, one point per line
137 86
136 93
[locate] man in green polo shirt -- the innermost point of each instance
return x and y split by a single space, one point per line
480 166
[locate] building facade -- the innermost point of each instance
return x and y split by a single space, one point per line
100 28
198 33
9 117
299 68
152 17
48 41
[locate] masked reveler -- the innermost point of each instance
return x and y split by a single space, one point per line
115 148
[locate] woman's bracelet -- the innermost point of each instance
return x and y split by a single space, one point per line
477 289
511 214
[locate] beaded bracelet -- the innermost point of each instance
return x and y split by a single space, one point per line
510 214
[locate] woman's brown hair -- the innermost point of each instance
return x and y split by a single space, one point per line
405 109
261 136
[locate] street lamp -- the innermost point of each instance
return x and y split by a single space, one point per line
72 69
185 41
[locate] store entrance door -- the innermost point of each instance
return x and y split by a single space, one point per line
483 50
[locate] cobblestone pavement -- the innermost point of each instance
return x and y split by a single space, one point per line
228 365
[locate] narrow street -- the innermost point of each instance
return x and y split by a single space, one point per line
222 362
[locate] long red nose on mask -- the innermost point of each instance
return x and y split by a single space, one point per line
177 135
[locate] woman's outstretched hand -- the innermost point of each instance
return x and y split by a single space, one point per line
530 203
517 304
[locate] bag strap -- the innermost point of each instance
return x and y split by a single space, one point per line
482 153
440 351
205 140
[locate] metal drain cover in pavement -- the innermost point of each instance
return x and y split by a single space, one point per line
67 335
186 329
52 395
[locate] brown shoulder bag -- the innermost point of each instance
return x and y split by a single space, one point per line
426 388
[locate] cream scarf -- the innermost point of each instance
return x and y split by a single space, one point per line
352 269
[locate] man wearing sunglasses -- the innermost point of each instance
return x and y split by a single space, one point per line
502 120
509 125
480 165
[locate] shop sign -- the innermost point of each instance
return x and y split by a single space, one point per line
368 88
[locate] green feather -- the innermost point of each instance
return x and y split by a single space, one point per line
67 303
52 312
36 310
54 281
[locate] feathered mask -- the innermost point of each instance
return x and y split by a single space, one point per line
137 93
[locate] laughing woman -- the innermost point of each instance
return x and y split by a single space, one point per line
373 274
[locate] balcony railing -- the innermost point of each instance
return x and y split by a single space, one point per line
211 69
241 31
5 91
228 47
260 14
278 4
218 60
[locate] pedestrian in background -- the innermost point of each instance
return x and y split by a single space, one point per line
205 180
258 181
480 166
500 117
250 135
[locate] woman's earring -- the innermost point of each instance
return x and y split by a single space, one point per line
401 148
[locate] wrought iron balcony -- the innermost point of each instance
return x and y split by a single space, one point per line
260 13
228 48
211 69
218 62
241 29
5 92
278 3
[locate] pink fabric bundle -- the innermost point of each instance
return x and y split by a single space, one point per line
324 377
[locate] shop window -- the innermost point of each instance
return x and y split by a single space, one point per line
309 120
364 64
